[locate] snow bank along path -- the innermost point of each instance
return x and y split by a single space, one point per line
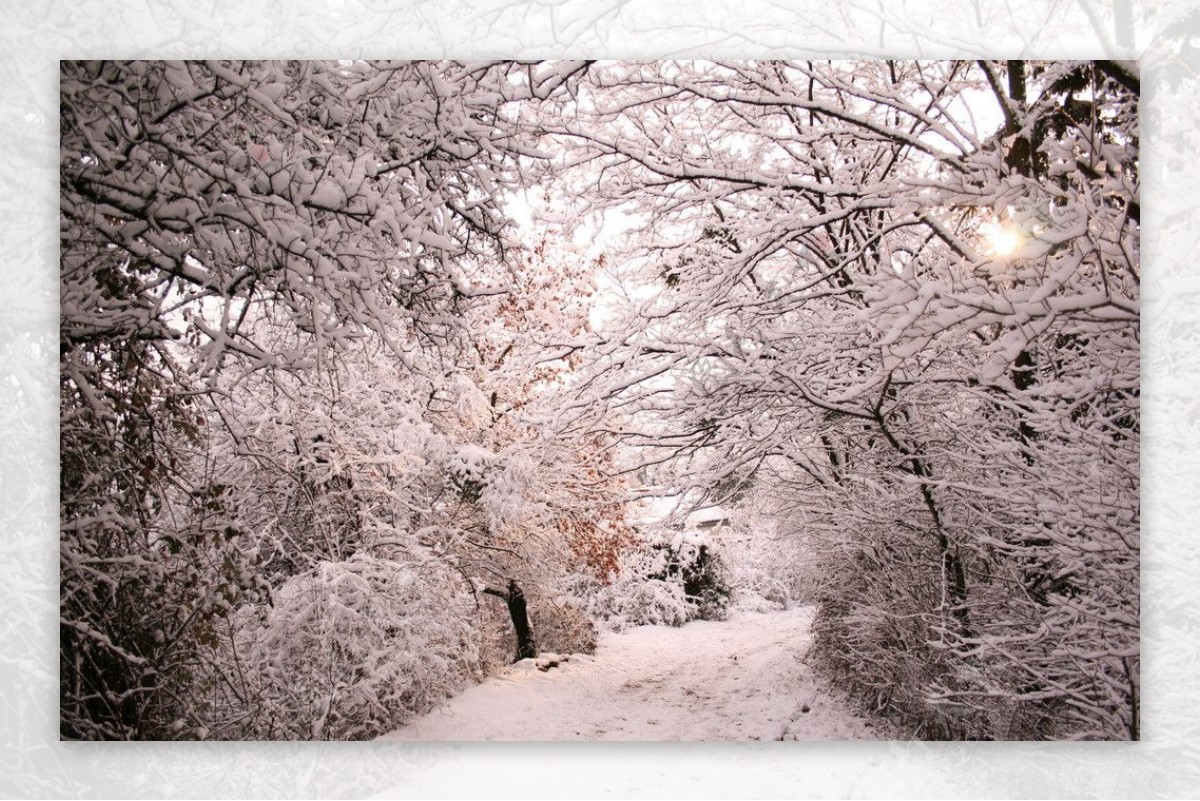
740 679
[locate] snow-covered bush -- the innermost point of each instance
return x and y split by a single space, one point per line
641 602
562 625
765 572
692 561
755 589
1039 641
352 649
870 636
672 578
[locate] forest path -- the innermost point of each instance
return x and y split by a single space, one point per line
739 679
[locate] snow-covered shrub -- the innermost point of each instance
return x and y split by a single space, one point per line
496 636
562 626
352 649
673 578
765 572
756 590
870 641
641 602
1053 659
690 560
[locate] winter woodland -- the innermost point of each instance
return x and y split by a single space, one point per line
378 376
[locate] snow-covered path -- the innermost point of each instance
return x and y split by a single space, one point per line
741 679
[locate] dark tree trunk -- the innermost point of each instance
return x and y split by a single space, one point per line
519 612
526 647
955 574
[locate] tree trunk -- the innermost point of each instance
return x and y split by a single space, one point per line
519 612
955 575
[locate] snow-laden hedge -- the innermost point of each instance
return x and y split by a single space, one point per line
638 601
765 572
673 578
352 649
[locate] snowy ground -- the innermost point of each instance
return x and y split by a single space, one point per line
742 679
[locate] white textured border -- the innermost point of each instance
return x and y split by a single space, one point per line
33 36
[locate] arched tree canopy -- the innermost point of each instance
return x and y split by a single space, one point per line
323 394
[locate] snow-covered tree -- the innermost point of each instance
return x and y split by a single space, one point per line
318 406
910 290
226 222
